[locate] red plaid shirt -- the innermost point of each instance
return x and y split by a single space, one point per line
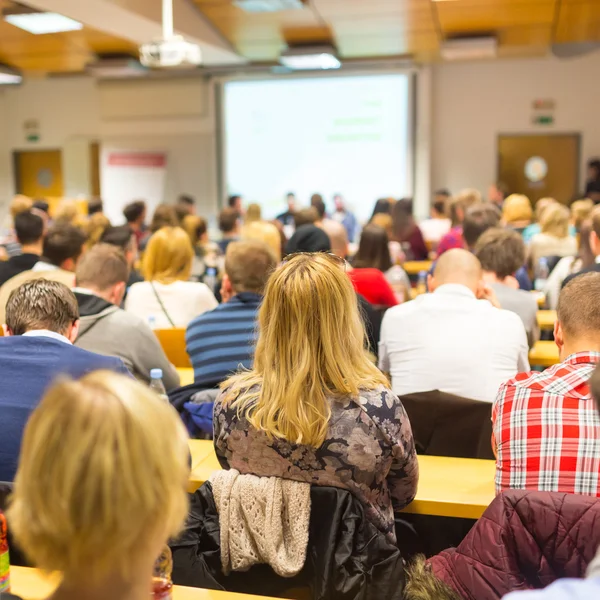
547 429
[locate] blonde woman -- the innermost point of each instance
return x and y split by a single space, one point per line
540 206
314 408
554 239
167 299
517 212
101 486
94 228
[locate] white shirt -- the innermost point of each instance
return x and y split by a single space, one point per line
182 300
452 342
47 333
434 230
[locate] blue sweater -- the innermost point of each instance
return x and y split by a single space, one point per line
28 365
221 340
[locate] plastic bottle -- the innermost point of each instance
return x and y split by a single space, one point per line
422 283
4 560
156 383
210 278
162 584
541 274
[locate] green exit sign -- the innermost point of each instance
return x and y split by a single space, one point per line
543 120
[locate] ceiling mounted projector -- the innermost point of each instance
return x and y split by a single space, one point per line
9 75
310 58
171 51
470 48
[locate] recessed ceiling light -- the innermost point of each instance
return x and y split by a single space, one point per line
43 22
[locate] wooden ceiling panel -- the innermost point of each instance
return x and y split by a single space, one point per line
359 46
578 21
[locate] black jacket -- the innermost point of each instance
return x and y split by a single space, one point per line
593 269
347 557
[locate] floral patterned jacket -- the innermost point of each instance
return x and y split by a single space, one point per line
369 451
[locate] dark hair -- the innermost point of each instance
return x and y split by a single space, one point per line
228 220
403 220
134 210
501 251
41 205
317 203
290 194
232 200
479 218
29 227
117 236
95 206
443 192
41 304
503 188
63 241
440 207
373 250
594 163
382 206
164 216
201 228
185 199
585 254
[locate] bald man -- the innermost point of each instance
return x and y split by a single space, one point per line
337 236
455 339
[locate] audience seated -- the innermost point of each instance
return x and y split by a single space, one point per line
68 213
62 248
101 486
164 216
29 230
581 211
338 237
95 205
185 205
94 228
124 238
517 212
262 231
501 253
455 339
314 408
458 210
438 224
306 216
105 328
546 426
237 203
554 239
135 217
308 238
383 206
42 322
9 242
221 340
167 299
407 232
594 241
497 192
229 226
253 213
287 218
373 260
540 206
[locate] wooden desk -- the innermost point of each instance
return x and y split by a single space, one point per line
544 354
186 376
546 319
414 267
540 297
448 487
30 584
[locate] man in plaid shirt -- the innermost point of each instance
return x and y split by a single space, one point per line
546 427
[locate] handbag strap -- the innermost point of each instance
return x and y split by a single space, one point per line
162 306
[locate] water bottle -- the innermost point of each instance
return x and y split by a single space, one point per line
210 278
156 384
541 275
422 283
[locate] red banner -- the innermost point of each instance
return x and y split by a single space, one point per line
137 159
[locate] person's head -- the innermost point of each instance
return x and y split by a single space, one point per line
264 232
517 211
42 304
253 213
497 192
382 206
63 245
228 221
196 229
43 206
403 220
291 201
457 266
135 213
373 250
164 216
95 227
540 206
577 327
20 204
501 252
248 265
306 216
104 271
168 256
555 221
122 237
585 253
308 238
235 202
29 229
338 237
460 204
68 213
593 166
580 212
102 478
478 219
384 220
185 205
311 346
95 205
442 195
319 205
439 207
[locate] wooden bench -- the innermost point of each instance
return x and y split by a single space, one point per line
173 343
546 319
544 354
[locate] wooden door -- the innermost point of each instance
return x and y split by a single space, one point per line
38 173
540 165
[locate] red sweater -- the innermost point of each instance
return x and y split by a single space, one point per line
372 284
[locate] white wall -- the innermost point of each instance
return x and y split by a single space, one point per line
176 116
474 102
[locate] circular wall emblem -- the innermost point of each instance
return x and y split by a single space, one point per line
45 178
536 169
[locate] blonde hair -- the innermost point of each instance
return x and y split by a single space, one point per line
192 224
103 471
264 232
541 205
516 207
96 225
460 203
555 221
311 346
253 213
581 211
20 204
68 212
168 256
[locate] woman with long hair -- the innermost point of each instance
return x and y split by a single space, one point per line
371 261
555 238
166 298
101 486
407 232
314 407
